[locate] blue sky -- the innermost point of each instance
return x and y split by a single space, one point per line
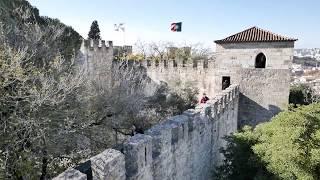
203 20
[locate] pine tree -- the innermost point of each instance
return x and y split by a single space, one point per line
94 32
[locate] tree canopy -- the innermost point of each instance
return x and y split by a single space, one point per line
94 32
302 94
287 147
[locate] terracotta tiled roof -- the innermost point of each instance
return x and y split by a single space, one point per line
254 34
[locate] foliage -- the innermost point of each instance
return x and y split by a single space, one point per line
43 37
50 109
302 94
295 137
168 102
129 99
94 32
288 147
33 105
161 51
52 115
240 162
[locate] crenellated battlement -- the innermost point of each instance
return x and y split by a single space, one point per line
198 75
171 64
93 44
187 146
182 147
176 64
96 57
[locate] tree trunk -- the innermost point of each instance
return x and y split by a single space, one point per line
44 161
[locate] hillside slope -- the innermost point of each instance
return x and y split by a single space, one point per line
22 27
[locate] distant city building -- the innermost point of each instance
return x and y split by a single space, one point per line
308 53
175 52
120 51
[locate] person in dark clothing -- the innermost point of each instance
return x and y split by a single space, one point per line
204 98
225 84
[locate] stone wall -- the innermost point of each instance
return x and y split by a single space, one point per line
97 59
232 57
279 55
96 56
264 91
183 147
199 75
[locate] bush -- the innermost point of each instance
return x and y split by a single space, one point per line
241 163
287 147
302 94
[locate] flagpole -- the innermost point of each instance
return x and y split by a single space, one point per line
124 37
120 27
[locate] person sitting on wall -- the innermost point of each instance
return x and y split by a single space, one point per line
204 98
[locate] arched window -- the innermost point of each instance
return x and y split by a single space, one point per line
260 61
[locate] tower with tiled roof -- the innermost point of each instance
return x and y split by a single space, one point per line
259 61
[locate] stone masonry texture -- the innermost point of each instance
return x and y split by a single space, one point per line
71 174
264 92
184 147
109 165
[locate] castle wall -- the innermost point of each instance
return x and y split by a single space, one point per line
183 147
264 91
71 174
185 75
96 57
279 54
109 164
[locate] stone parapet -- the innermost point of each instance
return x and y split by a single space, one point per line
183 147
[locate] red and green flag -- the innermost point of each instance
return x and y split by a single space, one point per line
176 27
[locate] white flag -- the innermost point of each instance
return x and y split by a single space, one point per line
116 28
119 26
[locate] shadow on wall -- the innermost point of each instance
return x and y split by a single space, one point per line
251 113
85 168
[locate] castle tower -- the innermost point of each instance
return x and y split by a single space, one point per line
259 61
97 57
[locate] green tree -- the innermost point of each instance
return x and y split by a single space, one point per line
290 143
287 147
240 162
94 32
297 95
302 94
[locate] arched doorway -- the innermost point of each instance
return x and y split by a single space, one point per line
260 61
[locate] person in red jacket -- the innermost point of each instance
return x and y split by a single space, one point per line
204 98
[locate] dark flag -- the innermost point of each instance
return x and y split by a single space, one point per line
176 27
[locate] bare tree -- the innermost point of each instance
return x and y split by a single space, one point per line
48 104
31 115
160 51
141 49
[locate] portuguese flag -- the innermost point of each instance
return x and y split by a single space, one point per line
176 27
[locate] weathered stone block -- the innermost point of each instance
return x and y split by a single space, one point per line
138 157
71 174
108 165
